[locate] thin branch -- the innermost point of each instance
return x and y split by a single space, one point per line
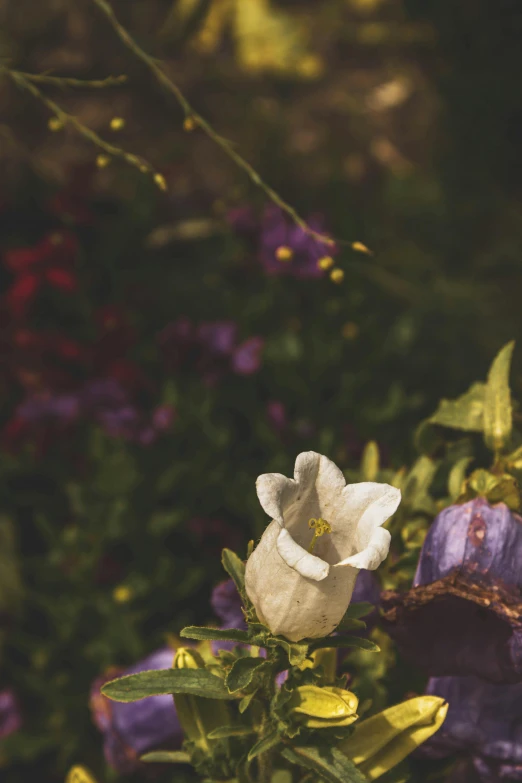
64 118
66 81
193 119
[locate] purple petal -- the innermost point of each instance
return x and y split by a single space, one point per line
247 357
10 716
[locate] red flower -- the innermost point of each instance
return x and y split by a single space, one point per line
49 261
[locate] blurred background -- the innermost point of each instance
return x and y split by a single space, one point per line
168 332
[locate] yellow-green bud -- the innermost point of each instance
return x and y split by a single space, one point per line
384 740
79 775
323 707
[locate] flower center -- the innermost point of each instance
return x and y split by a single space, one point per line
320 527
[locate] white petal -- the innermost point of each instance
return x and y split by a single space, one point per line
276 492
306 564
374 553
372 502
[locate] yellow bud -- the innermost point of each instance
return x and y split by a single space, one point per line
102 161
122 594
370 461
337 275
325 702
189 124
79 775
160 181
188 658
350 330
55 124
117 123
384 740
360 248
325 263
284 253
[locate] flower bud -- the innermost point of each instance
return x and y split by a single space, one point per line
198 716
319 708
385 739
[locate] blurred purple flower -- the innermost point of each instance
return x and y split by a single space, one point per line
463 615
367 590
246 358
10 716
130 730
61 408
484 724
226 603
276 414
275 231
102 393
218 337
162 417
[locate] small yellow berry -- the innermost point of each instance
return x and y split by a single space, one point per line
189 124
350 330
337 275
360 248
102 161
325 263
55 124
122 594
117 123
160 181
284 253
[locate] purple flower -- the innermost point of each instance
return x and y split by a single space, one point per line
276 413
484 724
226 603
61 408
367 590
218 337
130 730
162 417
463 615
10 716
246 358
278 231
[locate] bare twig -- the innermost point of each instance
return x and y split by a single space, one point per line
64 118
193 119
67 81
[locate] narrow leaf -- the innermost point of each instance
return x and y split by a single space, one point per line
167 757
328 762
197 682
231 731
245 702
264 744
457 476
370 461
345 641
242 673
215 634
498 413
234 567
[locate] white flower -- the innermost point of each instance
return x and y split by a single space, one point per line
303 595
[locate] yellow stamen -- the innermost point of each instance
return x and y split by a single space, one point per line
284 253
320 527
337 275
117 123
102 161
189 124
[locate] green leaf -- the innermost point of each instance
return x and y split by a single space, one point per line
264 744
198 682
328 762
360 609
167 757
231 731
457 476
242 673
235 568
215 634
370 461
498 413
345 641
297 651
464 413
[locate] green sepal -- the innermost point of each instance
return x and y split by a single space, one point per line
242 673
197 682
246 701
167 757
235 568
357 610
297 651
264 744
223 732
345 641
464 413
328 762
215 634
494 488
